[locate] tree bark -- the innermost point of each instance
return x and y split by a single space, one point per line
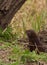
7 10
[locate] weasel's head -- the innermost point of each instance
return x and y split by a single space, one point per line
29 33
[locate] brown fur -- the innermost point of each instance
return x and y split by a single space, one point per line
34 41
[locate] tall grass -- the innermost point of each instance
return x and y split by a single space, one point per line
39 23
7 35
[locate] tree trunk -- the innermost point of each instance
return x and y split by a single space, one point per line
7 10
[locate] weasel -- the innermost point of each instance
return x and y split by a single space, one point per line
34 41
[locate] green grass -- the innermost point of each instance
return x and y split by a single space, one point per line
38 23
21 55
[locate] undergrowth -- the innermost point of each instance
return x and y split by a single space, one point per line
20 56
7 35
